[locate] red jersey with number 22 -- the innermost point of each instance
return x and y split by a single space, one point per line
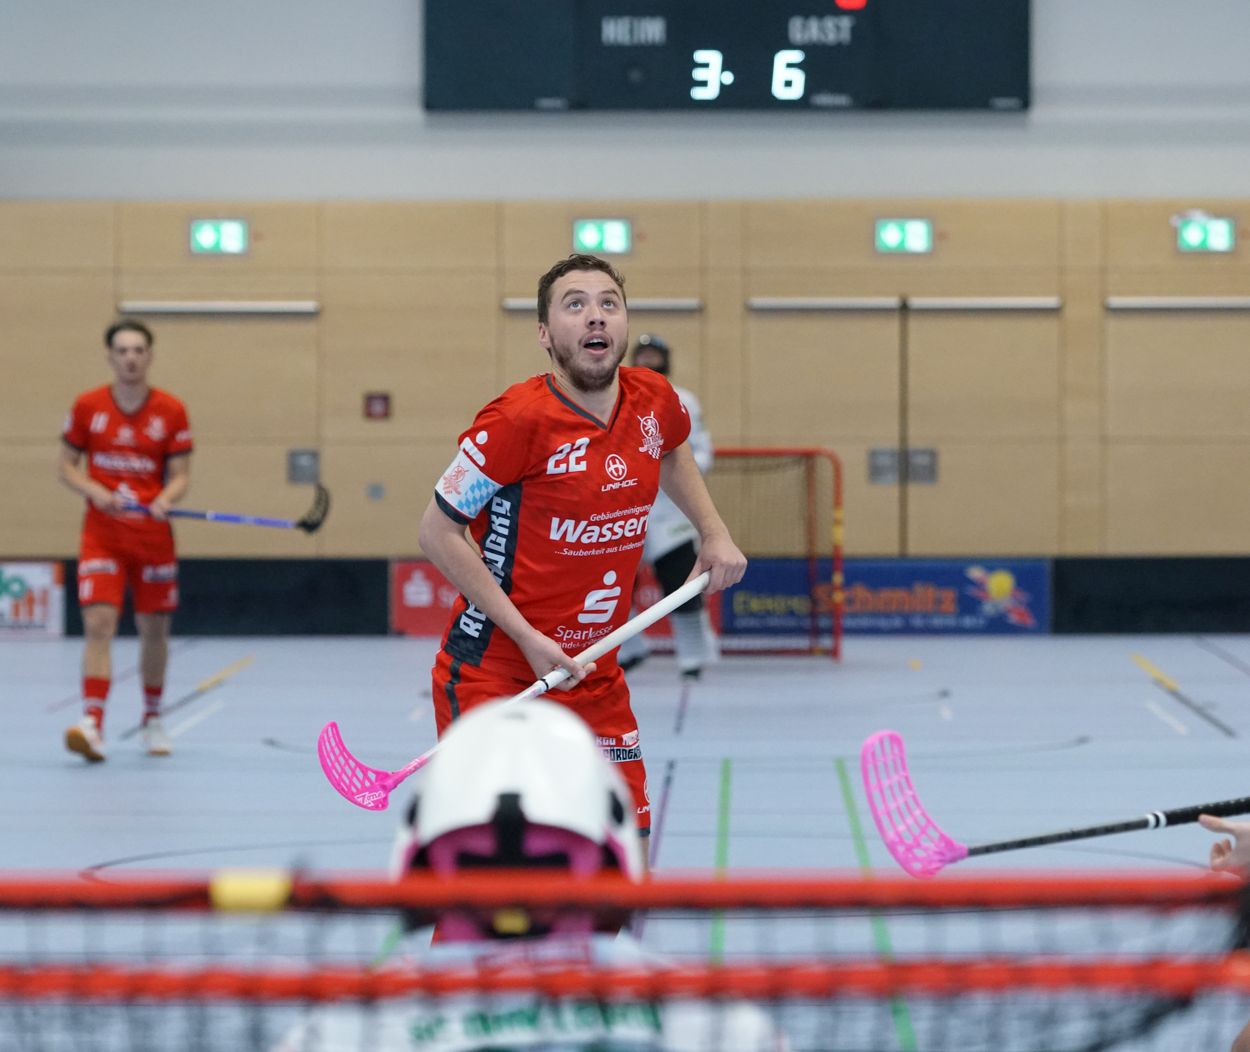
558 500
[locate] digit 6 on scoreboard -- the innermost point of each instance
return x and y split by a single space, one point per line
789 81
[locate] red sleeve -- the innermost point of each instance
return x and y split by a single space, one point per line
74 433
180 439
493 453
677 422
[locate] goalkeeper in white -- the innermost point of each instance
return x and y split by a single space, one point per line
523 785
671 544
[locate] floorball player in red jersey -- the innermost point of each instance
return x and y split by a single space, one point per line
137 444
554 480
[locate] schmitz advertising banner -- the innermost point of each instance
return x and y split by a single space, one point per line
32 600
779 597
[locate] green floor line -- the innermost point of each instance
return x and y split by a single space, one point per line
716 948
903 1028
389 945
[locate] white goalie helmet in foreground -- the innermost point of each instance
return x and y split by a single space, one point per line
520 784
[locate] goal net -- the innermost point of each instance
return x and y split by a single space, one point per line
818 963
784 509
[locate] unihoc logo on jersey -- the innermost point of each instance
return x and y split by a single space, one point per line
125 435
616 469
600 603
99 422
652 440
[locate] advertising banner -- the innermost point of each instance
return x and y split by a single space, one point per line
421 598
32 600
892 596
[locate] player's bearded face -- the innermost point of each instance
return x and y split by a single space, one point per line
587 329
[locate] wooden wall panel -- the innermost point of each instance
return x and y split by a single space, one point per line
998 498
837 233
1083 506
246 478
43 518
56 235
1177 498
156 237
428 339
666 236
818 378
1178 375
978 374
198 285
1142 235
51 347
433 236
241 378
380 490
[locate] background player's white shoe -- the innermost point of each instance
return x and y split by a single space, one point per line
85 739
156 739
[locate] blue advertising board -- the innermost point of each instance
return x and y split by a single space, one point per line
888 596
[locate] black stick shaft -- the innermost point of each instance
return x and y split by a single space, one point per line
1154 820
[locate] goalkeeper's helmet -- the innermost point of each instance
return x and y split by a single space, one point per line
657 352
519 785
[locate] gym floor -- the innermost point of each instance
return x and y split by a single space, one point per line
753 767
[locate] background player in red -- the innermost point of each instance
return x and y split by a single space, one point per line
136 444
555 479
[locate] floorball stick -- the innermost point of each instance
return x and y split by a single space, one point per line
370 787
922 849
310 522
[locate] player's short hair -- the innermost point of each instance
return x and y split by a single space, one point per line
128 325
650 342
576 261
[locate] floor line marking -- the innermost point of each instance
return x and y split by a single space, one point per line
1167 717
212 683
716 948
1173 688
903 1029
197 717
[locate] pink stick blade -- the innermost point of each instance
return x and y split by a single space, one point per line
910 835
363 786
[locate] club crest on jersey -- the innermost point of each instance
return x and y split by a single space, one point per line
155 429
652 440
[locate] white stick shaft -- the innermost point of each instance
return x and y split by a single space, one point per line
628 630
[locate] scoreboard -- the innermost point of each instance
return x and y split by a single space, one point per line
559 55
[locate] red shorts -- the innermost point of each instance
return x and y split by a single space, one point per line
604 706
147 564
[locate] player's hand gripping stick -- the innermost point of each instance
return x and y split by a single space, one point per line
370 788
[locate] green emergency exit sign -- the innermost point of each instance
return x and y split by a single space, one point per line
611 236
1206 234
219 237
904 235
